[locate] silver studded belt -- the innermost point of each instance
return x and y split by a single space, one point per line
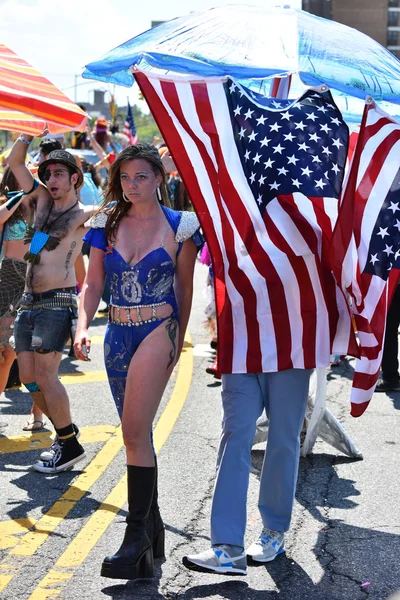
131 316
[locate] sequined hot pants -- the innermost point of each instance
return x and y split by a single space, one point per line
120 344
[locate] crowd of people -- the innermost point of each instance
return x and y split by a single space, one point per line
135 224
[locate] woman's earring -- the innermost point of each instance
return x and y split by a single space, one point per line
125 198
159 195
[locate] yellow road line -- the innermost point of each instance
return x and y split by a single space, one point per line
83 377
171 412
32 540
29 543
98 523
100 315
37 441
97 339
8 530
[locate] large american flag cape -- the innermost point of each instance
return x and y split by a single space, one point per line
130 127
264 177
366 242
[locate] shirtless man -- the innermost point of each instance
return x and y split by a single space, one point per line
49 301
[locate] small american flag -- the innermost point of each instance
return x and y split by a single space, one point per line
130 127
264 177
366 242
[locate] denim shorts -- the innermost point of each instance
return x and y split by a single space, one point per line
43 330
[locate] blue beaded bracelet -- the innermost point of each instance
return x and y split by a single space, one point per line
22 139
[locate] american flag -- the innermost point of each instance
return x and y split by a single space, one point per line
130 127
264 177
366 242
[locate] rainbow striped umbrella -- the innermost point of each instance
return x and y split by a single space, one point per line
29 102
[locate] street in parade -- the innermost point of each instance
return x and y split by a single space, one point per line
199 300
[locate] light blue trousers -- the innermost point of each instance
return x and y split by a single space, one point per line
244 396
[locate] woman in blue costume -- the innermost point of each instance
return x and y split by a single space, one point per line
147 252
12 282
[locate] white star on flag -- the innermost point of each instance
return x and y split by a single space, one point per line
269 163
319 184
274 186
265 142
275 127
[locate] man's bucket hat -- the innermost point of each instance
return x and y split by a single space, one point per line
63 157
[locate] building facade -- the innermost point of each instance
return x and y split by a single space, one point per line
393 33
380 19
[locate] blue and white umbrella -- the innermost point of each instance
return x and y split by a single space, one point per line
258 43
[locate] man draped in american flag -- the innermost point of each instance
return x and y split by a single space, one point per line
130 127
264 177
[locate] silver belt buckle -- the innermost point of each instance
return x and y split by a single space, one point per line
27 299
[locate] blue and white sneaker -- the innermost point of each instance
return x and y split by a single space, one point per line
268 546
223 559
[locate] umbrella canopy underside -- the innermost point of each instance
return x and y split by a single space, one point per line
29 102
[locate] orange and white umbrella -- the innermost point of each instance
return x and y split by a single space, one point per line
29 102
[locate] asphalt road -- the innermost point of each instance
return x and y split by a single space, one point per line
344 543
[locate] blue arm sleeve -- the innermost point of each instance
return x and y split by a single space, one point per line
198 239
96 238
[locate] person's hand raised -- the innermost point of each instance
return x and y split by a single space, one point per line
44 132
168 162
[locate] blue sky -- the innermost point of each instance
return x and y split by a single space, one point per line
58 37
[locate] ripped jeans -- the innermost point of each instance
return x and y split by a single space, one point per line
43 330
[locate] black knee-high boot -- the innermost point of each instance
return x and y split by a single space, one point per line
134 559
155 525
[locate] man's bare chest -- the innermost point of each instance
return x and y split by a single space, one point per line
57 223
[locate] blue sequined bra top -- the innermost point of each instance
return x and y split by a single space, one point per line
15 231
150 282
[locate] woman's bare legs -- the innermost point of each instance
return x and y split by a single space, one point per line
5 366
148 376
36 413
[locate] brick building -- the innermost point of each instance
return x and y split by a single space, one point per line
380 19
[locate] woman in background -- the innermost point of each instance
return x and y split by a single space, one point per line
12 282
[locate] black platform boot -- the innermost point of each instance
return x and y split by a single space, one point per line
134 559
155 525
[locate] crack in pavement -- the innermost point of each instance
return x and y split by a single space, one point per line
325 556
183 577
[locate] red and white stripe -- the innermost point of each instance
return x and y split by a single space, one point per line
280 87
276 304
133 139
375 164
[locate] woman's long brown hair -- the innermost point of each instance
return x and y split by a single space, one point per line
9 183
113 192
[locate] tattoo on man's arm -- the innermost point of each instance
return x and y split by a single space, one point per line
68 259
172 327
